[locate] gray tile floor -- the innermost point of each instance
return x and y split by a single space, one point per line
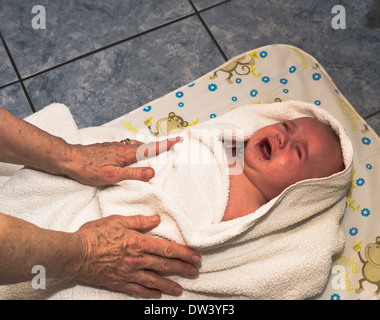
106 58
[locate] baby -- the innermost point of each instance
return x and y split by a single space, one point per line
279 155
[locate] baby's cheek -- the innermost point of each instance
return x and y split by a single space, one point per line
287 173
284 165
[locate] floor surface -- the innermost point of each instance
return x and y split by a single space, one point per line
106 58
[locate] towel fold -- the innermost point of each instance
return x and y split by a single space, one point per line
281 251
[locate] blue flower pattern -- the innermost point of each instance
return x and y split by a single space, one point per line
317 76
292 69
365 212
360 182
253 93
212 87
366 141
335 296
354 231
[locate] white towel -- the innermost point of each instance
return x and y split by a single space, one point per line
282 251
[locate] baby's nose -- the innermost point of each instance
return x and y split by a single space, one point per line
282 140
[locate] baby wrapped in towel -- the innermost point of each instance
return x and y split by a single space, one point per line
263 233
278 156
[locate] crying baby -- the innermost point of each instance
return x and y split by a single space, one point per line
279 155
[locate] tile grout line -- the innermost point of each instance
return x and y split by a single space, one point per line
195 13
105 47
373 114
213 6
20 80
9 84
198 13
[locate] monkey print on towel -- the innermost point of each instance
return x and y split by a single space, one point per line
371 267
172 124
237 66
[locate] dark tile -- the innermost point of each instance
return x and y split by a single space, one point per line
349 55
374 122
75 27
6 70
203 4
373 16
12 98
112 82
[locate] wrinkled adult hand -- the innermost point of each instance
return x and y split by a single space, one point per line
120 258
105 163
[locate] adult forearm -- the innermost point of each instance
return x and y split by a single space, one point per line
25 245
25 144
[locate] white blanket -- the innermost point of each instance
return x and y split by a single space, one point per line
282 251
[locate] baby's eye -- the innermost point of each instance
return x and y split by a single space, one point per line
286 126
299 152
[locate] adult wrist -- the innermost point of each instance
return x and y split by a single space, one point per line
77 261
64 162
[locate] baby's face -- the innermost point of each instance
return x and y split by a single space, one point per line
282 154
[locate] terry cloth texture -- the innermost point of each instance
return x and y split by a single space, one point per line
283 250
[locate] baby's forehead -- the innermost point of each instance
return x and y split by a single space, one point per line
310 119
304 123
311 126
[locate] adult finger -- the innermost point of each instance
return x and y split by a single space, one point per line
134 173
164 266
155 246
139 222
155 147
151 281
172 250
166 249
139 291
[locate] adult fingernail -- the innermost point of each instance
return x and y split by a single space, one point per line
148 173
194 272
196 259
177 290
154 219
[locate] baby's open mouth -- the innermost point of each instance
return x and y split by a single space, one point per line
265 148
